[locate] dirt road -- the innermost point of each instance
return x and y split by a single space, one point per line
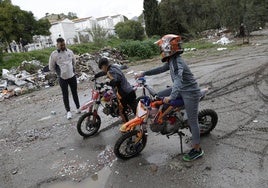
39 149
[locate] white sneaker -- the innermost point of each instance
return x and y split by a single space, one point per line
69 115
78 111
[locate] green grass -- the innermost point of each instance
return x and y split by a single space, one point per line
199 44
15 59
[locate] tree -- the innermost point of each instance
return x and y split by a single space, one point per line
151 17
129 30
173 17
190 17
98 35
16 23
42 27
71 15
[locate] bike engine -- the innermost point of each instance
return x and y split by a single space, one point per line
111 109
107 109
170 124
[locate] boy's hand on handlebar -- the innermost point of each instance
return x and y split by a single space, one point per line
138 75
166 100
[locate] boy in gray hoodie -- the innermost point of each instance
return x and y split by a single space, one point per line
184 86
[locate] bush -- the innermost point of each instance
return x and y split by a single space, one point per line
129 30
139 49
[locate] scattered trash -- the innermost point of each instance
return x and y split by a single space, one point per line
15 171
189 49
53 112
220 49
44 118
31 75
106 157
73 168
224 40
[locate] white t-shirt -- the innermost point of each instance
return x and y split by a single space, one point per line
65 60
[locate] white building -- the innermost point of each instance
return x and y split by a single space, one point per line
70 30
65 29
82 24
117 18
108 22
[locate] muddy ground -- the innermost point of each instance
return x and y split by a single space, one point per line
39 149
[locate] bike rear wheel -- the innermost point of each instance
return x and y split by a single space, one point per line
130 144
85 125
207 120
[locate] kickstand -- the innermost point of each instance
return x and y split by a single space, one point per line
181 134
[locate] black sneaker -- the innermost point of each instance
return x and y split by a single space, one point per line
193 154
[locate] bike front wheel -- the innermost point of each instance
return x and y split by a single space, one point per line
130 144
86 126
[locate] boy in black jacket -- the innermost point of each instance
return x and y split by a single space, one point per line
124 91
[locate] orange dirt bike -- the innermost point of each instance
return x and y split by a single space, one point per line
166 119
102 95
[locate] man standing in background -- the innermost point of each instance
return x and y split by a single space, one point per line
62 62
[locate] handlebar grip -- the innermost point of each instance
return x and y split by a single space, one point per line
158 98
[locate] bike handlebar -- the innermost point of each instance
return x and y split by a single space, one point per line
101 84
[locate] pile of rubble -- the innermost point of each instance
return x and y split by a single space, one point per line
32 75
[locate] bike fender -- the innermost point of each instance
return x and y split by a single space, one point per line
131 124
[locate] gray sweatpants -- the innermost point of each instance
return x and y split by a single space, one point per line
191 103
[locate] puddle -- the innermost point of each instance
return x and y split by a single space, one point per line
158 158
97 180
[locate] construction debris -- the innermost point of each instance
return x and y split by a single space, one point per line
32 75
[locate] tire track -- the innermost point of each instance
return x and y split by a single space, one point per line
259 76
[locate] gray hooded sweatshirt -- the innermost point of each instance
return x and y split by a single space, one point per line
182 78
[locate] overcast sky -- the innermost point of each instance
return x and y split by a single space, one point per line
83 8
